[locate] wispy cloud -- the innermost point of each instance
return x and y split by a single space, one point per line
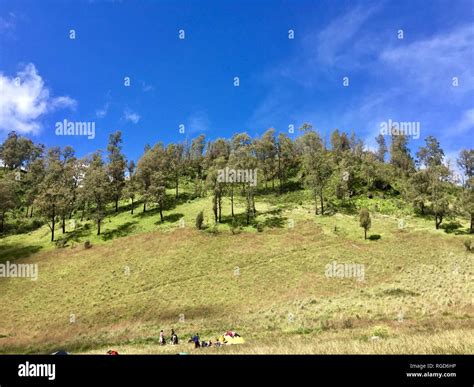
396 79
130 116
24 100
429 65
198 122
465 124
102 112
336 42
146 87
8 22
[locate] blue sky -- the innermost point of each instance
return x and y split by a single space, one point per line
191 81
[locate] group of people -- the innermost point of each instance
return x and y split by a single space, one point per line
198 343
219 341
173 339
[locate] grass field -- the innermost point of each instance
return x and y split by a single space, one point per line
142 276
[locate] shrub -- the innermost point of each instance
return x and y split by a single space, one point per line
259 227
365 221
467 244
199 220
213 230
234 226
380 331
87 244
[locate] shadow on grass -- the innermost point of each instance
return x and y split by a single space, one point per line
375 237
454 228
121 231
169 218
21 226
12 251
78 235
346 207
275 222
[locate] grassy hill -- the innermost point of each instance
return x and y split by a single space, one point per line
142 276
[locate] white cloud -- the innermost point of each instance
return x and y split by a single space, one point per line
128 115
25 99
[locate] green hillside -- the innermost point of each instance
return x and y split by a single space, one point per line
266 282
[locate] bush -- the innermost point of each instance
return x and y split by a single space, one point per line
213 230
467 244
380 331
199 220
234 226
87 245
259 227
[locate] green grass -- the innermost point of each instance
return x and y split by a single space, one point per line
177 272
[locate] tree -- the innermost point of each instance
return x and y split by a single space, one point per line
98 189
52 193
400 156
16 151
131 186
340 145
244 160
217 189
158 190
436 175
438 192
8 199
430 155
33 179
382 148
116 167
70 177
144 171
153 173
419 184
466 163
316 165
364 220
287 161
175 153
196 155
265 152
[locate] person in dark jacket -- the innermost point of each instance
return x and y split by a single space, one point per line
197 343
174 337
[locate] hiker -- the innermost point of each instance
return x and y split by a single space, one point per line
197 344
232 334
162 338
111 352
174 337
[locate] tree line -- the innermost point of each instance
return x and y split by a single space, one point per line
56 185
